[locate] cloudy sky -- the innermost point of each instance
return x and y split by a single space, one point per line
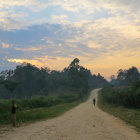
103 34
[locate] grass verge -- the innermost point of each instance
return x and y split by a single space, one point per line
44 113
30 110
130 116
32 115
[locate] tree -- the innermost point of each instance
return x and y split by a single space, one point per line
126 77
10 85
113 80
78 76
43 81
74 63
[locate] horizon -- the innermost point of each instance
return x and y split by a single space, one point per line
108 79
105 36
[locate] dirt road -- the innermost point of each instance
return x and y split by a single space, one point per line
84 122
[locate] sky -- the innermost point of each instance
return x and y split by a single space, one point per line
103 34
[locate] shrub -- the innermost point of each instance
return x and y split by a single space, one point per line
128 97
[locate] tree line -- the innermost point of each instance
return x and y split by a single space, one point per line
28 81
124 90
125 77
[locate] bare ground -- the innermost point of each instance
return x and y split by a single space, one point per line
84 122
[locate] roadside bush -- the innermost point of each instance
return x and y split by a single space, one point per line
26 105
128 97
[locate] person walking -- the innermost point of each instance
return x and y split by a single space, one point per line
13 111
94 101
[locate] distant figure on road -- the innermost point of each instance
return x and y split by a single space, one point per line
13 111
94 101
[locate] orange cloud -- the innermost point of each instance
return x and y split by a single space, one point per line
29 49
57 63
109 64
5 45
33 62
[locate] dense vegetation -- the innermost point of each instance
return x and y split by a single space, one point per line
125 77
122 102
38 108
31 81
129 115
122 97
125 89
127 97
40 92
44 93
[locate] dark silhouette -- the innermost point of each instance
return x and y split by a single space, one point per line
29 81
125 77
13 111
94 101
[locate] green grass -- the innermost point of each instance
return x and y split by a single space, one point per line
44 113
36 114
129 115
35 109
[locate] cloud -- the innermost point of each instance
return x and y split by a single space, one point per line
21 61
30 49
91 40
63 11
128 4
61 19
45 61
5 45
103 34
11 24
32 4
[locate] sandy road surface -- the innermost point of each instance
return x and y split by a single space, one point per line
84 122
